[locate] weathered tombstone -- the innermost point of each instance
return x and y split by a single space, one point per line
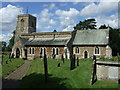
72 64
58 65
45 68
6 61
77 61
62 58
93 70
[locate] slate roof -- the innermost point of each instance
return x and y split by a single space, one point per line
91 37
47 41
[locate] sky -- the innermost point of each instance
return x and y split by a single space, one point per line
60 16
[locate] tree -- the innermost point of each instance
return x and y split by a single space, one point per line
103 27
4 45
55 31
115 41
86 24
11 42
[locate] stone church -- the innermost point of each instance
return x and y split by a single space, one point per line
83 43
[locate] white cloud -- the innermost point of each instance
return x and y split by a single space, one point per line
8 20
108 20
5 37
103 7
52 6
9 15
67 18
45 17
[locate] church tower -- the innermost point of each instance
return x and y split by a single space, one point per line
26 23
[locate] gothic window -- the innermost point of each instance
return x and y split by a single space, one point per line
77 50
41 50
22 23
55 51
33 50
30 51
97 50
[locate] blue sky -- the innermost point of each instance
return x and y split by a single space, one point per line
62 16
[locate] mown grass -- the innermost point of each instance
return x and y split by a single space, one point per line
62 77
11 66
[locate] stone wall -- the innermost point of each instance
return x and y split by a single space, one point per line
49 51
109 71
90 50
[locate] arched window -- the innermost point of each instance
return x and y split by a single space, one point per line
77 50
97 50
33 50
56 51
30 51
41 50
22 23
53 51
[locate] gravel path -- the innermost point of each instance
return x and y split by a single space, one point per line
12 80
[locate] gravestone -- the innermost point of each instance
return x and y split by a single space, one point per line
77 61
45 68
62 58
72 62
58 65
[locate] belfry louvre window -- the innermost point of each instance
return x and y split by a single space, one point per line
22 23
97 51
77 50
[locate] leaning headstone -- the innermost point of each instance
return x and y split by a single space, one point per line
62 58
58 65
45 68
6 61
77 61
93 72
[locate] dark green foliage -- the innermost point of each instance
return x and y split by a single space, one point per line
103 27
55 31
115 41
11 42
86 24
3 45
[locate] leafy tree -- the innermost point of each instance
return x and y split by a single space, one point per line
103 27
11 42
115 41
3 45
55 31
86 24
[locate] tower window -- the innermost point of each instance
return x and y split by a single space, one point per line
22 23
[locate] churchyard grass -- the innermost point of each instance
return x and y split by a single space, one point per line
11 66
113 59
62 77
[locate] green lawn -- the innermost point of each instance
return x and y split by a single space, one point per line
62 77
11 66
